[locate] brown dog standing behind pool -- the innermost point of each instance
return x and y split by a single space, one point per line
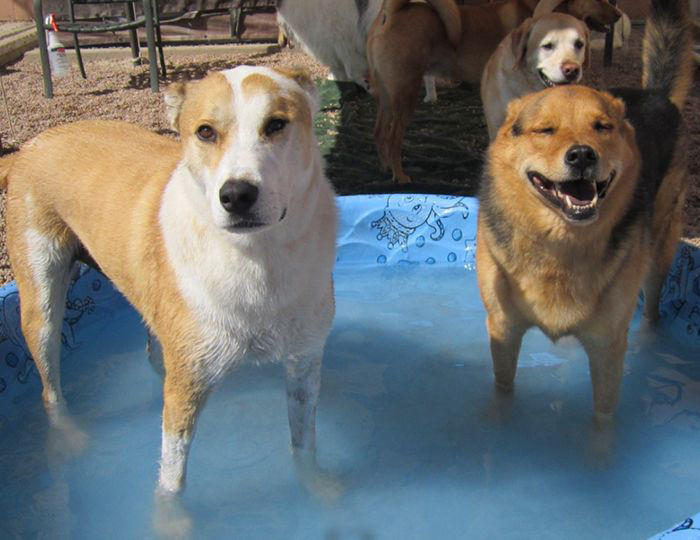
581 206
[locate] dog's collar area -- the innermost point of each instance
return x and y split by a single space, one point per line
576 199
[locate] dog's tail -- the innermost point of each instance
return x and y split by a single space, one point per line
5 166
447 10
667 52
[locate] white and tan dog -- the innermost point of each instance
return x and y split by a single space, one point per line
543 51
223 241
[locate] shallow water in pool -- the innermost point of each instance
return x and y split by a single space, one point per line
412 438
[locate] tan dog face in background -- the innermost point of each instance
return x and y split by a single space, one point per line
542 52
570 157
554 49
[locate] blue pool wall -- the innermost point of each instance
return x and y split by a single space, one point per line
374 230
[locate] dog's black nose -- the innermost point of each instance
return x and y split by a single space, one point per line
238 196
580 157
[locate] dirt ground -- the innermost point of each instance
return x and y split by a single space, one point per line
445 142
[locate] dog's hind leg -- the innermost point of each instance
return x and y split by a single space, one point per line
403 105
43 271
667 228
380 134
658 270
42 261
430 91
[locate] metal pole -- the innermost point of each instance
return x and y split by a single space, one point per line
609 40
150 40
43 49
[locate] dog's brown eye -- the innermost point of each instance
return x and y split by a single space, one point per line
544 131
602 126
274 125
548 46
206 133
579 44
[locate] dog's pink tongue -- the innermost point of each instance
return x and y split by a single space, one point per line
580 191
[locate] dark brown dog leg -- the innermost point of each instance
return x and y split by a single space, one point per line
404 101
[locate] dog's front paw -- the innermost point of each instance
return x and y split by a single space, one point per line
600 443
170 518
402 178
321 483
504 385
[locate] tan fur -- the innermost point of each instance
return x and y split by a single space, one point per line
43 194
410 41
560 276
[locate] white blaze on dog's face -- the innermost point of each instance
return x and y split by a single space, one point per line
247 140
557 48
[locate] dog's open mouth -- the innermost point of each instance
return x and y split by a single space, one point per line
576 199
549 83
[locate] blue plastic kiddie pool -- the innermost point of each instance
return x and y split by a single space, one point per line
413 439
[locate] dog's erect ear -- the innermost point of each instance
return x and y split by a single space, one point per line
546 6
174 97
617 107
518 41
303 79
512 125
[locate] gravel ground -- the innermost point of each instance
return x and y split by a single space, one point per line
117 90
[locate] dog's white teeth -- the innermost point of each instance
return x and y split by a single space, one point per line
568 202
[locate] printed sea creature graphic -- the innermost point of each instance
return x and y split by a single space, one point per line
404 214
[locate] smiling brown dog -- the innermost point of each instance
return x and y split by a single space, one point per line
581 207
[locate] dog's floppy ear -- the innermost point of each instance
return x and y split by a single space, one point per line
174 97
303 79
518 41
587 57
546 6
